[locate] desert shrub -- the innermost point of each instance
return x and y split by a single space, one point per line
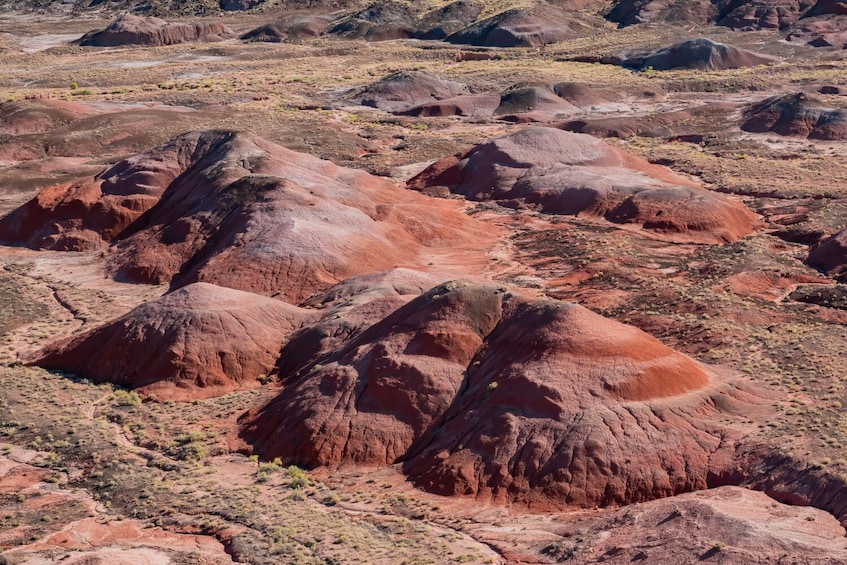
297 477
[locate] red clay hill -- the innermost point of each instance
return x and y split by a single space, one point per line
349 308
446 20
797 114
405 89
629 12
290 28
736 14
481 392
559 172
236 210
20 118
763 14
700 54
533 26
44 129
149 31
559 98
89 213
380 21
198 341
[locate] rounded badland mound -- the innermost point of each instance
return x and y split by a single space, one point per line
31 117
465 105
629 12
762 14
89 213
752 528
149 31
519 27
380 21
348 309
522 98
403 90
799 115
199 341
290 28
481 392
736 14
446 20
566 173
236 210
700 54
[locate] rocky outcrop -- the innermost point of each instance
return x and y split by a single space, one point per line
149 31
481 392
830 255
565 173
199 341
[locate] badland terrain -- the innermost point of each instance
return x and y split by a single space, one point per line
423 282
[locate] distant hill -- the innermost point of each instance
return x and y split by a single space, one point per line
736 14
168 7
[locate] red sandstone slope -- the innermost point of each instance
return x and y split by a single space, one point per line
89 213
520 98
481 392
255 216
199 341
236 210
566 173
382 392
55 134
348 309
289 28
